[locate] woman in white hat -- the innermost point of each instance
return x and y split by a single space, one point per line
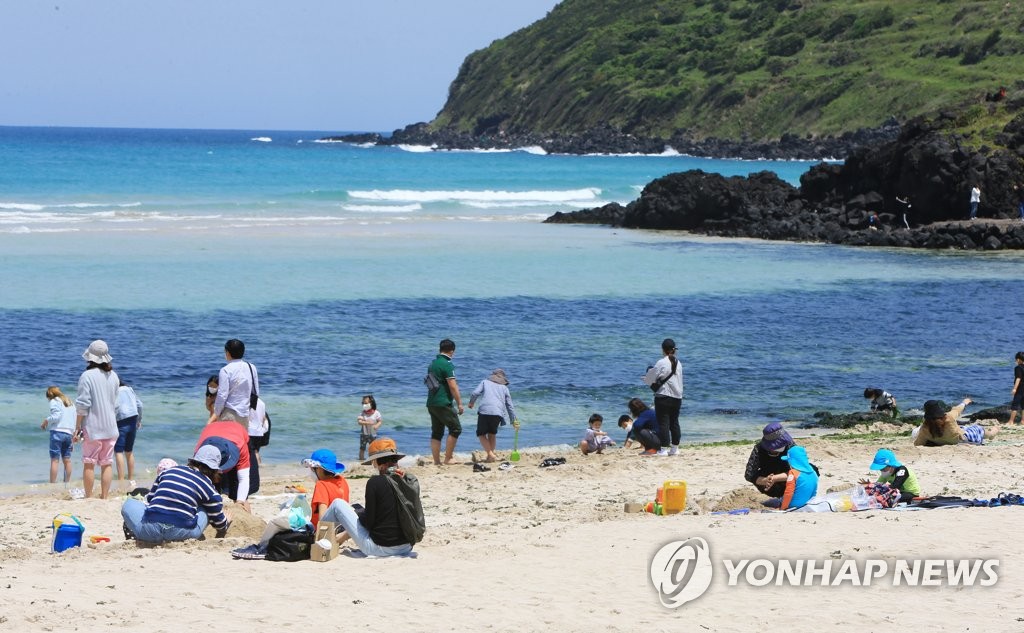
96 422
376 528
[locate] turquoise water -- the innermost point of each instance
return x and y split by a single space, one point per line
341 267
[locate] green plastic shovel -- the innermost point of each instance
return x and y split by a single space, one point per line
514 457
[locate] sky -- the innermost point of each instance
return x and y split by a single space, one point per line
332 65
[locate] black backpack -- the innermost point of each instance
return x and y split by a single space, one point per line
290 546
410 510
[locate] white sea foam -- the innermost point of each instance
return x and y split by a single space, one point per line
22 206
261 139
480 197
417 149
382 208
328 140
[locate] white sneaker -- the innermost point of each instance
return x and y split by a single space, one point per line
674 450
662 452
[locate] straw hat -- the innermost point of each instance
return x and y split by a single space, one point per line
384 447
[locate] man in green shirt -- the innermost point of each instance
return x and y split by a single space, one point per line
440 404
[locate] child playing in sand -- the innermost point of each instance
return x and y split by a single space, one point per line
595 440
1017 393
801 480
881 401
895 474
369 421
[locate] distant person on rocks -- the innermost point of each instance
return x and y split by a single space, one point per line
881 401
874 222
96 420
645 427
1019 190
61 423
443 402
975 201
238 385
129 421
1017 393
495 410
906 210
940 427
665 379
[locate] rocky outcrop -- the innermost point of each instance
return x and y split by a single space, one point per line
918 185
605 139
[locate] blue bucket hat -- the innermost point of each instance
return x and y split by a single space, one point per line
797 458
228 451
325 459
885 457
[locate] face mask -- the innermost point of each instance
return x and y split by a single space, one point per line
366 406
212 390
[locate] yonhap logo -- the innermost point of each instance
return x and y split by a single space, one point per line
681 571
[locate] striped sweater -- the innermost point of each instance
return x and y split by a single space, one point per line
177 496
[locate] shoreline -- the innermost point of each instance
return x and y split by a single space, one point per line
507 538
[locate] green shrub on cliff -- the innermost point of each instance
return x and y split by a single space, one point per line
735 68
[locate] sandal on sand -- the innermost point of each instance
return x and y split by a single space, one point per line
251 552
480 468
552 461
506 466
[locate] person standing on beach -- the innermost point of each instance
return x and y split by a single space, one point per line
129 421
975 201
211 392
495 410
443 402
96 421
238 385
665 379
1019 190
61 423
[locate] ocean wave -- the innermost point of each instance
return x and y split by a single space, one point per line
261 139
555 196
22 206
382 208
417 149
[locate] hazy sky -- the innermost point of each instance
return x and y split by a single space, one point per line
247 64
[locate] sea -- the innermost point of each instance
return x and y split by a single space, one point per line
342 266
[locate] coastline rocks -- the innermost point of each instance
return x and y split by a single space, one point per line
918 185
825 419
604 139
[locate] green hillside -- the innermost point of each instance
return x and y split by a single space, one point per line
736 69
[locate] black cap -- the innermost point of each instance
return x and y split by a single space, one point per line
668 345
933 410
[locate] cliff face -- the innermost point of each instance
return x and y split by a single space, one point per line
680 71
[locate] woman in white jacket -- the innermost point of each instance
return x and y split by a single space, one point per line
496 409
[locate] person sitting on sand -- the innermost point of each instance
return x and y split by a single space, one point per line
881 401
183 500
765 467
801 480
895 474
330 485
940 427
645 427
626 424
375 528
594 439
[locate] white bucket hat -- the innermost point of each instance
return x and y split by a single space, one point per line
98 352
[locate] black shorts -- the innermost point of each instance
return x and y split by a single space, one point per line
1018 400
487 424
442 418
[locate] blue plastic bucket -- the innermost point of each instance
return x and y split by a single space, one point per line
67 532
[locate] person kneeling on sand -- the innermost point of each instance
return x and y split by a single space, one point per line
595 440
645 427
375 528
766 468
895 474
183 500
940 427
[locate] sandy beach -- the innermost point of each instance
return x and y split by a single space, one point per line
533 548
